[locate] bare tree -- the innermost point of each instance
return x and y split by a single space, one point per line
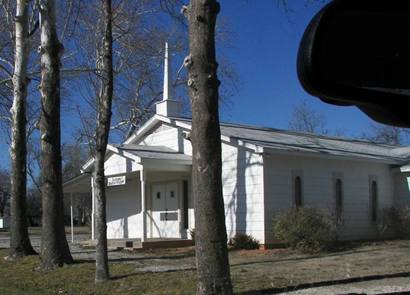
54 247
386 134
74 155
105 70
306 119
210 236
19 238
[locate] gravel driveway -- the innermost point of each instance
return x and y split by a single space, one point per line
386 286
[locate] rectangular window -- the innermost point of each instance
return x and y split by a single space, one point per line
339 199
374 198
297 189
338 196
185 203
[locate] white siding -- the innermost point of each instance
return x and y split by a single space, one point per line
242 176
318 189
402 189
164 135
117 164
124 210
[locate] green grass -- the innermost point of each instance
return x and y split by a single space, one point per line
23 278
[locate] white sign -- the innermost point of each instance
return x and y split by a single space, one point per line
118 180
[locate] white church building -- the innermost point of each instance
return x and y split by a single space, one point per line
264 170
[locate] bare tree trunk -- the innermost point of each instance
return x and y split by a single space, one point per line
19 238
102 133
54 247
210 230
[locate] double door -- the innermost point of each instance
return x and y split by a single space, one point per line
165 210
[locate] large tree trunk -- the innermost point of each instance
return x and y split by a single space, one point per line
210 229
19 239
54 247
102 132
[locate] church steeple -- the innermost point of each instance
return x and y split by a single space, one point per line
167 70
168 107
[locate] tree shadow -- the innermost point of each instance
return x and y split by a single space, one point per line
166 257
239 176
83 261
311 257
139 273
330 283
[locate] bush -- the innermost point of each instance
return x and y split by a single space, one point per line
395 220
244 241
403 227
305 229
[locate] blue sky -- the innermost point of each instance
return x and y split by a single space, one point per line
262 47
265 44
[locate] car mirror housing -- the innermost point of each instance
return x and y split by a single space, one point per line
357 53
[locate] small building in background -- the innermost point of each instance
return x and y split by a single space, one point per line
4 222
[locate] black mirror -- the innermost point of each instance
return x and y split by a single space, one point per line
358 53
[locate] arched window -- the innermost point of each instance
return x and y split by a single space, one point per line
339 199
298 192
373 200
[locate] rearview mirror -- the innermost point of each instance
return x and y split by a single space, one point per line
358 53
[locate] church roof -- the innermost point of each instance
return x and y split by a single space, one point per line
277 139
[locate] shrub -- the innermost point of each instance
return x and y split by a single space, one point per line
403 227
244 241
395 220
305 229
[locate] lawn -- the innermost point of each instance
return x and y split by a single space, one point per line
251 270
23 278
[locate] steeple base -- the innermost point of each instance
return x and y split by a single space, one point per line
169 108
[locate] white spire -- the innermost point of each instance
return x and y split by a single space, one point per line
168 107
167 70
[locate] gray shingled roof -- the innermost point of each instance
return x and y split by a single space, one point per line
306 142
153 152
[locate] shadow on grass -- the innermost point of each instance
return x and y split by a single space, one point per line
140 273
330 283
308 257
84 261
188 255
130 259
116 278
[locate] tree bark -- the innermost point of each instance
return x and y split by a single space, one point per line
54 247
102 133
19 238
210 230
